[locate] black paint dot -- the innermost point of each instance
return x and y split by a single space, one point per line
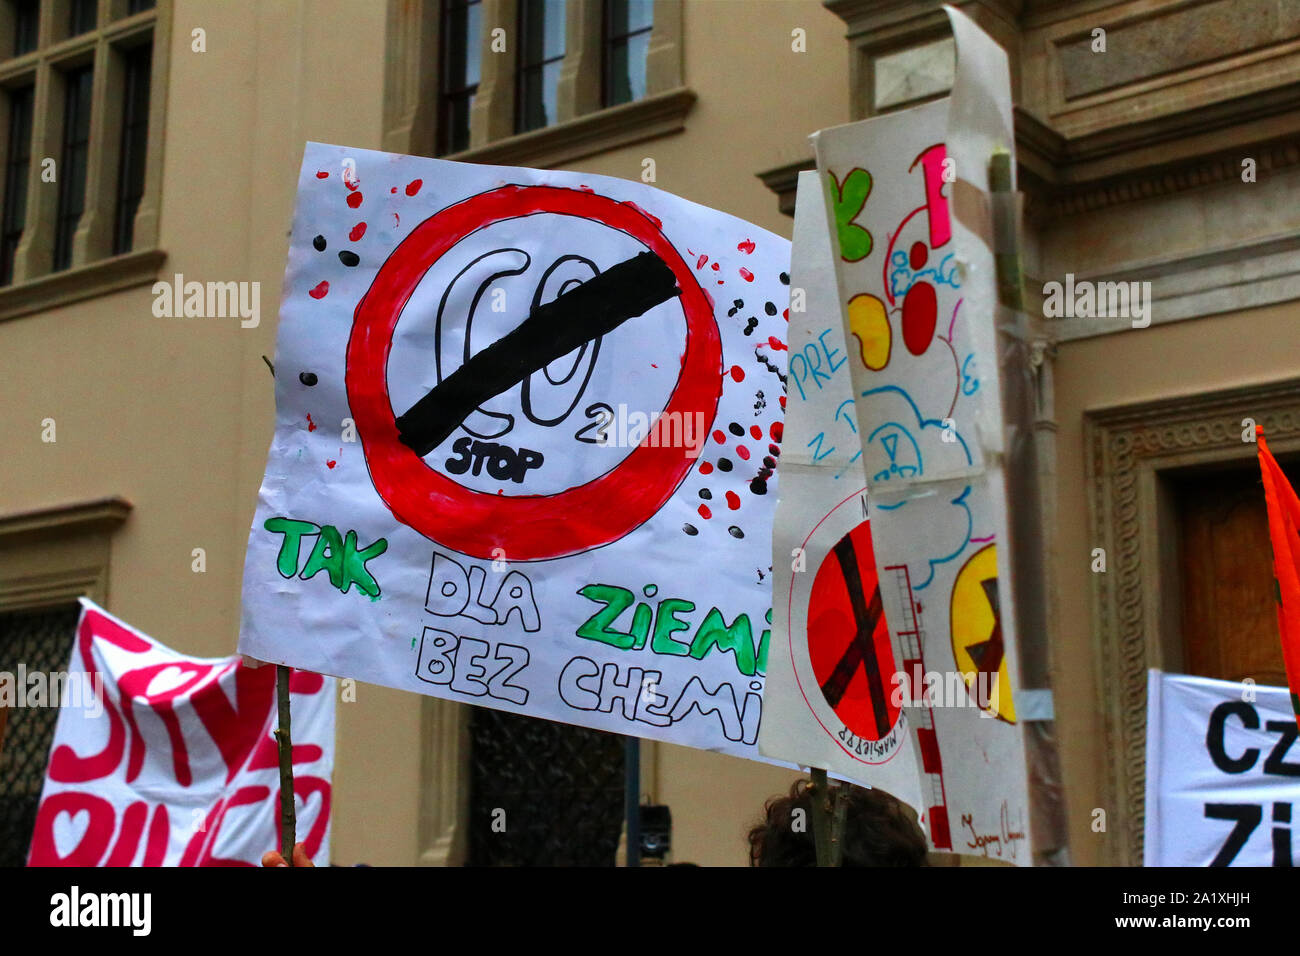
308 378
770 308
758 486
319 243
751 325
735 532
785 278
690 529
769 461
706 494
724 464
736 429
349 258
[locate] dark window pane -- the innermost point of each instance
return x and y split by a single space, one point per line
17 162
135 142
627 41
462 25
26 18
39 641
541 51
72 168
136 6
81 16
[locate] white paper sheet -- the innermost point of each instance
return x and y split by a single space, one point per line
908 196
830 702
524 564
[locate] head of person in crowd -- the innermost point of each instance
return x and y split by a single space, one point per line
878 831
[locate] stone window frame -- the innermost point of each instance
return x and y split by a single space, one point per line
585 127
1131 453
55 555
94 269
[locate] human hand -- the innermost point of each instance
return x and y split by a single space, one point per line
300 858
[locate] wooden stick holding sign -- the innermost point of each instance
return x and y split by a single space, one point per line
288 820
284 744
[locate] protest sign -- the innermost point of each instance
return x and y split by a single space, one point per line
831 697
527 425
908 195
1222 773
170 760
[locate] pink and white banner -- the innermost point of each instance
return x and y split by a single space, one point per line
170 760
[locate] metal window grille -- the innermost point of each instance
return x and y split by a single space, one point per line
40 641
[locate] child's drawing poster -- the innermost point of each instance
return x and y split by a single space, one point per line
528 425
832 699
908 197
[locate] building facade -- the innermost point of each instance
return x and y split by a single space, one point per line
1158 143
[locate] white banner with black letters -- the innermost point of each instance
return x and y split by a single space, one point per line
1223 773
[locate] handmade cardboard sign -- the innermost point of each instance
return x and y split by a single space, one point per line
527 430
160 759
833 699
1221 773
908 200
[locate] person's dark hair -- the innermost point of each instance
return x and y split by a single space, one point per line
878 831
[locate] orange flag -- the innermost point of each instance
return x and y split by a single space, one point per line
1284 530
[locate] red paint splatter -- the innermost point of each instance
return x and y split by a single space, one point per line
737 373
357 232
747 275
720 282
704 511
743 452
733 501
413 186
653 365
756 431
397 220
319 291
700 262
785 314
917 256
776 344
311 425
354 200
653 219
782 401
719 436
321 174
777 430
393 190
746 247
588 189
714 267
330 463
706 468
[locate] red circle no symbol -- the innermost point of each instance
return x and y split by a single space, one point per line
524 527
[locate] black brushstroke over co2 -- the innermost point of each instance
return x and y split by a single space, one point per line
555 329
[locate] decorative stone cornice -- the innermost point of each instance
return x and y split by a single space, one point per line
82 517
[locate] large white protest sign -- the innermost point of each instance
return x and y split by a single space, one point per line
1223 773
908 198
831 696
527 428
171 760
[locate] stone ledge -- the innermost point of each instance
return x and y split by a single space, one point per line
597 132
83 282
